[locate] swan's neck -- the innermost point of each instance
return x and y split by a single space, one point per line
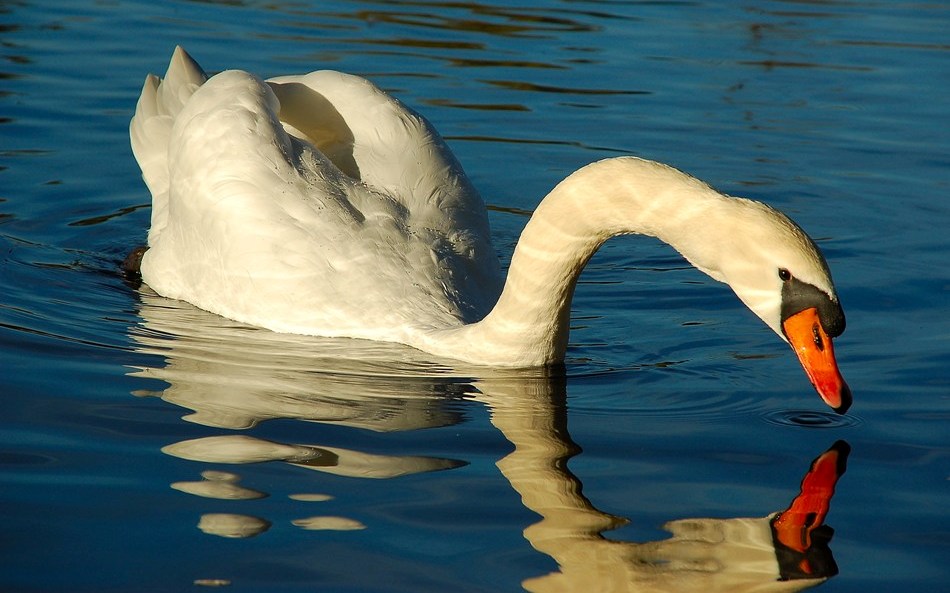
530 322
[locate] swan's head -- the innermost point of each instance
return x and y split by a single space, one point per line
779 273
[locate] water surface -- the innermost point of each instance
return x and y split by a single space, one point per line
149 446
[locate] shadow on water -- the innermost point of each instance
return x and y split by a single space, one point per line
233 377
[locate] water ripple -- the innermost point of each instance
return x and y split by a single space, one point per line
810 419
705 408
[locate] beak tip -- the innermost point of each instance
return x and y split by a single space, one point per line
845 398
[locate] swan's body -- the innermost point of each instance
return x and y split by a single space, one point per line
319 205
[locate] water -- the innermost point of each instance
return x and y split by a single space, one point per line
129 422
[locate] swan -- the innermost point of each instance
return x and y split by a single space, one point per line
317 204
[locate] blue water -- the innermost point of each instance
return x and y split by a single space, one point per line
678 404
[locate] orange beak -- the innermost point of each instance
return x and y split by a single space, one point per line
817 355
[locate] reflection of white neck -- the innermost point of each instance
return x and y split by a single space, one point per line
711 555
529 324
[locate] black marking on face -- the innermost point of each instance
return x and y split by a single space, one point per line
798 296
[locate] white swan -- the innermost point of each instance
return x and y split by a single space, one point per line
317 204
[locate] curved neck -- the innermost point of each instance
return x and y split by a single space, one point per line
530 322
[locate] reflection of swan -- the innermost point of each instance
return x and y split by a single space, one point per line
333 460
234 376
528 408
319 205
782 552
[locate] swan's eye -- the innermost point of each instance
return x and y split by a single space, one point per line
784 275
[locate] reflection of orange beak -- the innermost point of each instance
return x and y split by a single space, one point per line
807 512
817 355
805 517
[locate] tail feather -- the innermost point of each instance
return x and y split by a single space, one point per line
150 129
182 78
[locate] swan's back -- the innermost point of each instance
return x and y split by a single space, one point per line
310 204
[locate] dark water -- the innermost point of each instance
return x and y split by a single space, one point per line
136 433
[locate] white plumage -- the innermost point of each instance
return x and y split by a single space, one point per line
359 223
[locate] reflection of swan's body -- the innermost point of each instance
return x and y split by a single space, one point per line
234 376
262 376
319 205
